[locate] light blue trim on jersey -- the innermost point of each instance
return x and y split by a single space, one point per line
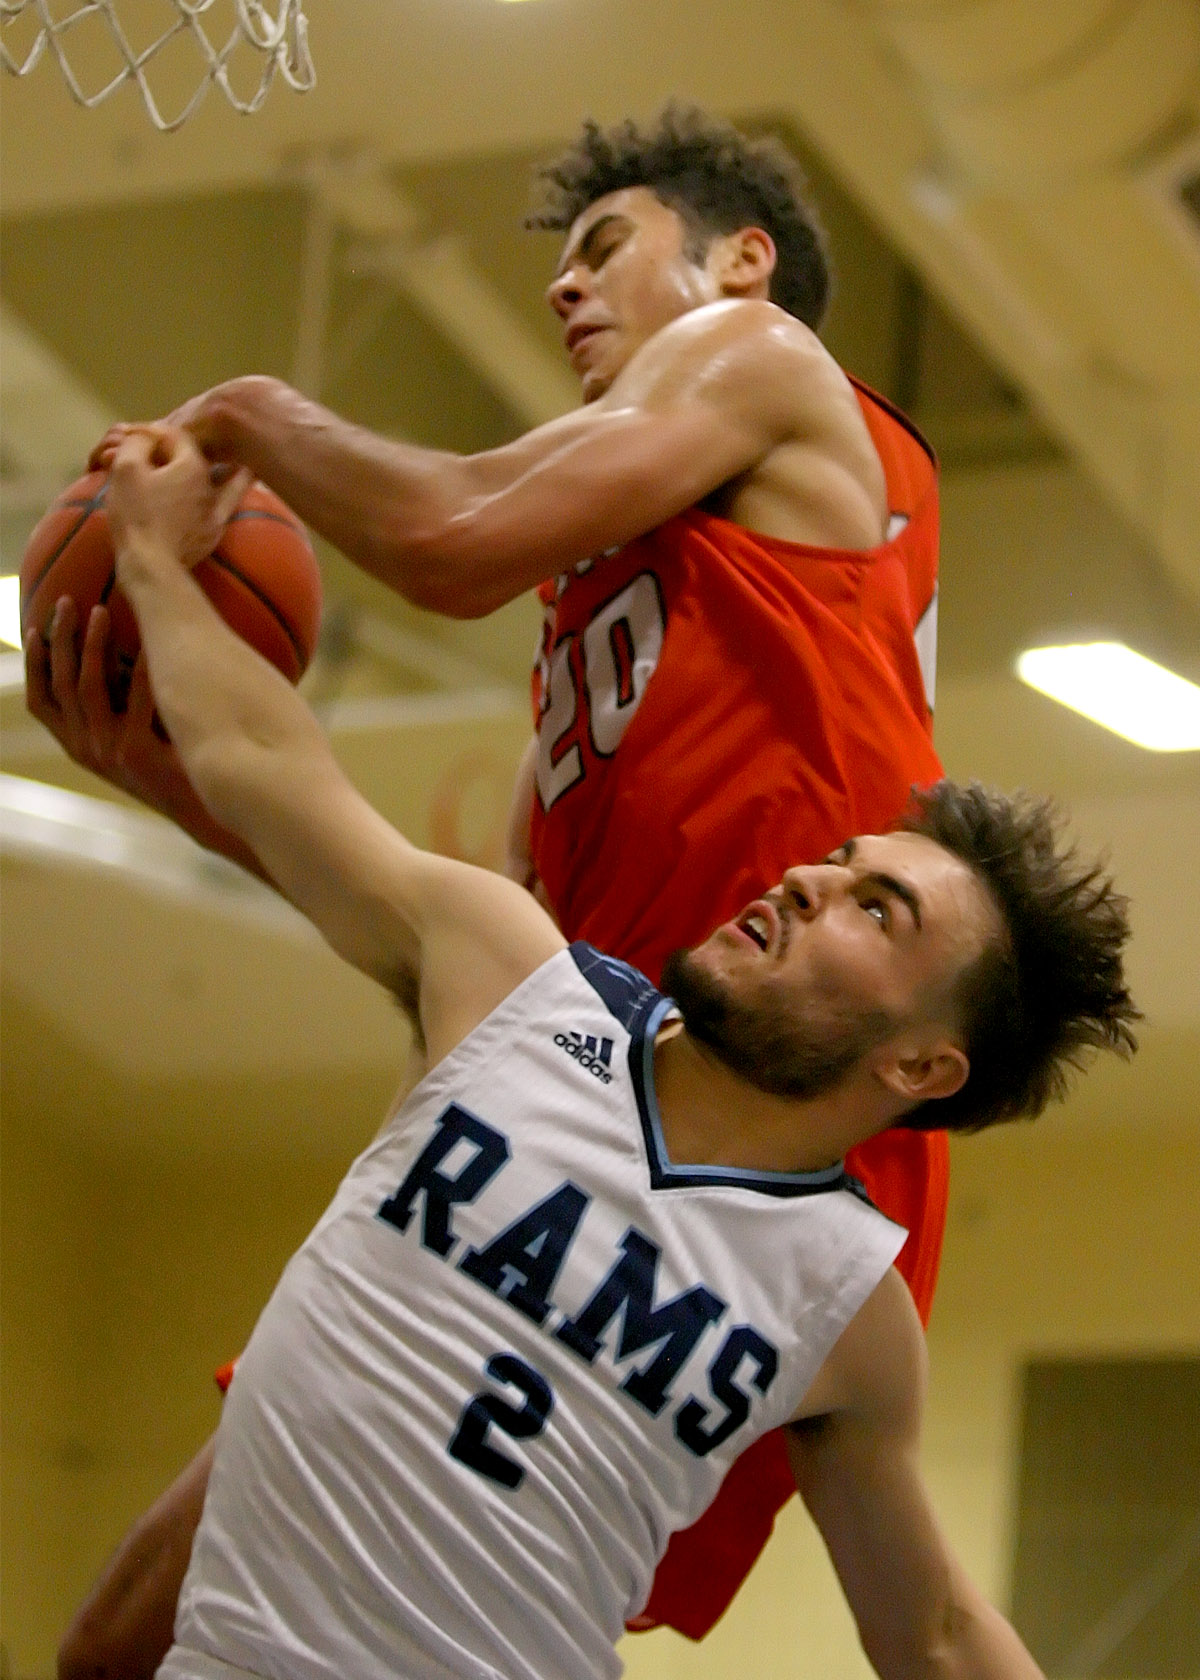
664 1171
641 1009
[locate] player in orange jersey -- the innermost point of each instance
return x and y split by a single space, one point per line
740 545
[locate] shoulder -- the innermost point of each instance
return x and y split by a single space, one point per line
744 323
731 349
481 935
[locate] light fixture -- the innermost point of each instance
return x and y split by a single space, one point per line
1119 689
10 611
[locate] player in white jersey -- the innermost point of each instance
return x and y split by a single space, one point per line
607 1240
538 1342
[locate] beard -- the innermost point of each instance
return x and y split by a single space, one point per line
783 1048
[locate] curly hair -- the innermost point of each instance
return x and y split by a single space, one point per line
1052 988
718 179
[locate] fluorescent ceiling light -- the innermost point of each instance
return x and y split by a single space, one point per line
1120 689
10 611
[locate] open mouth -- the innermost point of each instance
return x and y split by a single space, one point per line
756 927
759 923
580 335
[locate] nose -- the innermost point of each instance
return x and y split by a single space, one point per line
809 886
565 292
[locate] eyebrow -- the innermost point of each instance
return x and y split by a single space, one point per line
889 883
584 246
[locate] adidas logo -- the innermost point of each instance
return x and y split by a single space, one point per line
591 1053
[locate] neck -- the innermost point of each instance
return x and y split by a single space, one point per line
711 1116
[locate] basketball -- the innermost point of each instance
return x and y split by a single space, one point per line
262 577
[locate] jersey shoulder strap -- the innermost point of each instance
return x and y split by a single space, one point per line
625 991
909 462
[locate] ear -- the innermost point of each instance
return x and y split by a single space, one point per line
917 1072
745 262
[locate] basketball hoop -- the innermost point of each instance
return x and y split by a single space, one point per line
280 38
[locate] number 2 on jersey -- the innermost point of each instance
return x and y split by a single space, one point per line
487 1411
620 650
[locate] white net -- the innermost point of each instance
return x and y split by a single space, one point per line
275 37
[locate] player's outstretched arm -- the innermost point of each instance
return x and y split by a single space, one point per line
122 1631
702 402
67 690
263 768
856 1466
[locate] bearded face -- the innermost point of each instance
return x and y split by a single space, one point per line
783 1047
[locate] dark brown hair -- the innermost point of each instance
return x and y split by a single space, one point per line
1052 987
718 179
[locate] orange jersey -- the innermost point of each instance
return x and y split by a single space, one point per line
767 700
712 706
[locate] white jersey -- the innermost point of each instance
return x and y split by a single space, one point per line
519 1350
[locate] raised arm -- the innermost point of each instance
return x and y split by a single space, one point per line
856 1466
122 1631
264 771
66 689
701 402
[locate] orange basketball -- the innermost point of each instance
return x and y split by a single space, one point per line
262 577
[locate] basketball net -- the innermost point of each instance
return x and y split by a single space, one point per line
280 38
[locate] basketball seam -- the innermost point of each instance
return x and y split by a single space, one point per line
267 513
89 509
219 559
